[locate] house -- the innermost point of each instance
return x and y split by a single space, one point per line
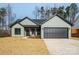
75 28
55 27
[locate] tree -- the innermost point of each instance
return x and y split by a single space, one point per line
73 10
2 15
47 13
9 13
36 12
67 13
42 12
59 11
54 11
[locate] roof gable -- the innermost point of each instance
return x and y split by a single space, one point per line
61 19
65 20
17 25
20 20
27 21
37 21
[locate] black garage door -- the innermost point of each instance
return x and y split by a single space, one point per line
50 32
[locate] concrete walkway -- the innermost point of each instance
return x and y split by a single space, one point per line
62 46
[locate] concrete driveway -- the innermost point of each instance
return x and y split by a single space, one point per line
62 46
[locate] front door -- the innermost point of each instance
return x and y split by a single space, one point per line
27 32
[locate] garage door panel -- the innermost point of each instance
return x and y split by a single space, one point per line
55 32
49 35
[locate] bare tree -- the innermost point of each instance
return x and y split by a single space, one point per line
36 12
9 12
2 15
47 12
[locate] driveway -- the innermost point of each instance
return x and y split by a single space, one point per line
62 46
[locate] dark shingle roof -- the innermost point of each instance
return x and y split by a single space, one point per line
36 21
39 21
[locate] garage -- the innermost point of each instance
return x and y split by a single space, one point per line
55 32
56 27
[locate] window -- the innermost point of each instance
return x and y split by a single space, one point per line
17 31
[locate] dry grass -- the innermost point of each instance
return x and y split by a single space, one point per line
75 38
22 46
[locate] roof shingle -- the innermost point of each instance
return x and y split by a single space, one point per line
39 21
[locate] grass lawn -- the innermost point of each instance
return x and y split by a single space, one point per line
75 38
21 45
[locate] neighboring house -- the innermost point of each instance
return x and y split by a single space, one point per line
75 28
55 27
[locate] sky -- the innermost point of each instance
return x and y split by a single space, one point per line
26 9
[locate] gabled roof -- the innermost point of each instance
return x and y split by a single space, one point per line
65 20
14 22
61 19
39 21
19 20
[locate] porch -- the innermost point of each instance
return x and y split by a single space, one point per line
32 31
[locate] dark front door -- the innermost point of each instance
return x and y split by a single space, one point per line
57 32
27 32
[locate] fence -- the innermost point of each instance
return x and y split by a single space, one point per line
4 33
75 33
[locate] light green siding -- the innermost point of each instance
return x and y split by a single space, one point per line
17 26
27 22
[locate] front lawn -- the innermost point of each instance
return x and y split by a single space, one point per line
21 45
75 38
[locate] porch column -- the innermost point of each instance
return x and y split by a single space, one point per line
24 32
30 32
35 31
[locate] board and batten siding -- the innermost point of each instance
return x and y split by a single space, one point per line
27 22
55 22
17 26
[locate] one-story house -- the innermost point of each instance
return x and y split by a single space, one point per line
54 27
